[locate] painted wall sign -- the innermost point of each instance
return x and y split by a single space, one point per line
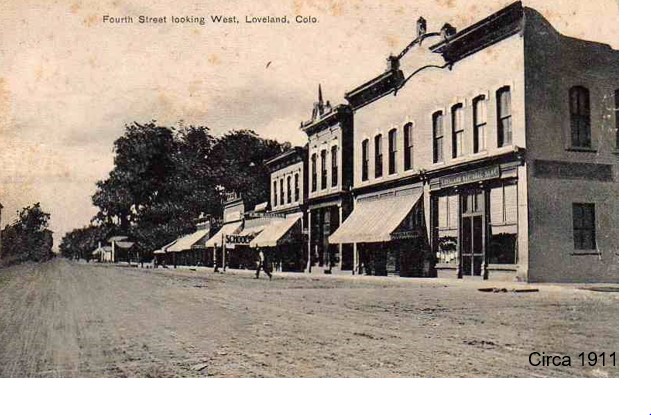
472 176
239 239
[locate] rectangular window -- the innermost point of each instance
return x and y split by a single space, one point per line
393 150
479 124
289 189
437 144
275 193
503 230
457 130
335 166
365 160
296 187
447 229
324 169
409 145
378 155
583 219
504 127
580 117
313 172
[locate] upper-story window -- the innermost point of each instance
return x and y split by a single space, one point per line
583 219
282 192
297 188
275 193
617 118
437 143
313 172
580 116
409 145
479 124
393 150
334 166
504 127
289 189
365 160
457 130
378 155
324 169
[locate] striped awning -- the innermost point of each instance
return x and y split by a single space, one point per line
277 233
374 219
227 229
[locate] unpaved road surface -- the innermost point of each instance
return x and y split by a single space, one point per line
73 319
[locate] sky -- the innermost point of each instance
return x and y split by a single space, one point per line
70 82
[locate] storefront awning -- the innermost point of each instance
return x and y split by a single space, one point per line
374 219
164 249
277 233
186 242
227 229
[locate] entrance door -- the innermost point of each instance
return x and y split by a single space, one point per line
472 233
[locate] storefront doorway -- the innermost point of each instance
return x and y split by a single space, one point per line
472 232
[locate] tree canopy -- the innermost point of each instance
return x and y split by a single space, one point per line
165 177
28 237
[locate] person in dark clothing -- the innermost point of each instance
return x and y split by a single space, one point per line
262 265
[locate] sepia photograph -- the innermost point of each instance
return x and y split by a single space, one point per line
303 189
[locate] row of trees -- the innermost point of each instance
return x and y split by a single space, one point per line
164 177
28 237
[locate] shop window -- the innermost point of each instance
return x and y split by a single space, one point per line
296 187
314 172
584 226
378 155
334 166
289 189
457 130
437 143
365 160
409 145
393 150
479 124
503 235
447 229
504 124
324 169
580 117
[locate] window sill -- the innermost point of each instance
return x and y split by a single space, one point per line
502 267
581 149
588 252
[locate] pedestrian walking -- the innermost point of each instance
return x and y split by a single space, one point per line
262 265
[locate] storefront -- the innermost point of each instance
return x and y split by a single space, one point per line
189 250
218 244
388 232
474 216
282 242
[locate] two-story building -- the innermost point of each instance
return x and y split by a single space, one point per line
283 239
329 179
488 152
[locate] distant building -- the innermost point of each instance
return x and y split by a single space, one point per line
490 152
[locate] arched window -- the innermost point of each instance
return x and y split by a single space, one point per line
479 124
282 192
437 143
334 166
409 145
580 116
393 150
365 160
313 172
296 187
324 169
275 193
504 128
289 189
378 155
457 130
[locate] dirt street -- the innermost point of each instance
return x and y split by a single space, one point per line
73 319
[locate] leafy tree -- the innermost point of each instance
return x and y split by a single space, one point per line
28 238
